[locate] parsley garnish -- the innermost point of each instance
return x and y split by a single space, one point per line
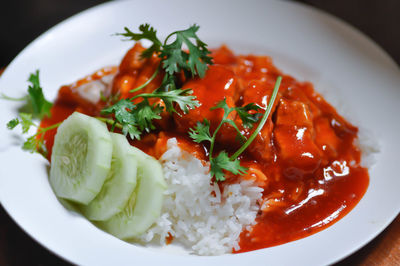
201 132
33 143
40 107
132 118
35 99
174 57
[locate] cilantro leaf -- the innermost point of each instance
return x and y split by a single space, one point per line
223 105
13 123
223 162
36 103
227 110
121 110
145 114
26 122
30 144
249 119
41 107
182 98
34 143
195 61
201 132
147 32
132 118
131 130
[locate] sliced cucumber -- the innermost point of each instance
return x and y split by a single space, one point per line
144 206
119 184
81 158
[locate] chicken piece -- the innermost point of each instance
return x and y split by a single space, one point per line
294 134
301 91
86 92
218 83
135 71
259 92
326 138
293 113
261 147
223 56
254 68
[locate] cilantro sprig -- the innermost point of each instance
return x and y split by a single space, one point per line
174 57
35 142
41 107
224 162
38 107
35 100
133 118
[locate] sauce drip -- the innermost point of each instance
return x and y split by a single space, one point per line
305 157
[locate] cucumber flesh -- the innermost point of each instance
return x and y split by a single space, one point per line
119 184
81 158
144 206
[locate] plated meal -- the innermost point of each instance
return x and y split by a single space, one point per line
298 43
207 149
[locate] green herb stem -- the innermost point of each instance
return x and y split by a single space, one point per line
262 122
213 140
5 97
169 36
144 95
42 131
45 129
109 121
147 82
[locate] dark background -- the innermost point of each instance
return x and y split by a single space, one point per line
23 21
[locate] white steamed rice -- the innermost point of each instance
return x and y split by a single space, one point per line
195 213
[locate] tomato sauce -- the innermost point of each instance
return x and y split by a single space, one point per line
305 158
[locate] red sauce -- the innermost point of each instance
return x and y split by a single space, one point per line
305 157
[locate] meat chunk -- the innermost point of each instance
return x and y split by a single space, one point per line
293 113
326 138
218 83
259 92
223 56
254 68
261 147
135 71
294 135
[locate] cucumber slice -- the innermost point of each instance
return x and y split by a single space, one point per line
119 184
81 158
144 206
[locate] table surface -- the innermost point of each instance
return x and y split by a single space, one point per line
378 19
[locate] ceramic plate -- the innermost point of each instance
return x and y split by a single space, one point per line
304 42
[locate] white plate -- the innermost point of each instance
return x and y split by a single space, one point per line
304 42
